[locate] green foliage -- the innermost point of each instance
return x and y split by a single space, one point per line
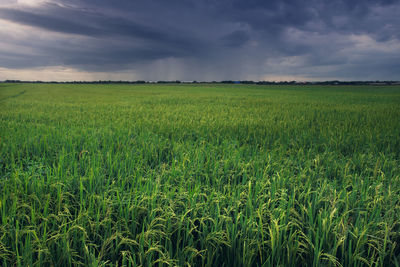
199 175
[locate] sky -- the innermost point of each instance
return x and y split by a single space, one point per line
202 40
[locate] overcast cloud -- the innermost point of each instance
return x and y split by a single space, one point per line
200 40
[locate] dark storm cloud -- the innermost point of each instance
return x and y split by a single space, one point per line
233 39
236 38
82 22
111 40
48 22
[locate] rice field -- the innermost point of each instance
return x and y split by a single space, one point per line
199 175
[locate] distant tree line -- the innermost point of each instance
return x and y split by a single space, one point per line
221 82
317 83
79 82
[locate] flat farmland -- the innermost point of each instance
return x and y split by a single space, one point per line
199 175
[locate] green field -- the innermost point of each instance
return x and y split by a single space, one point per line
199 175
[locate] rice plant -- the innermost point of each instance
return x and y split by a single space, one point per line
199 175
